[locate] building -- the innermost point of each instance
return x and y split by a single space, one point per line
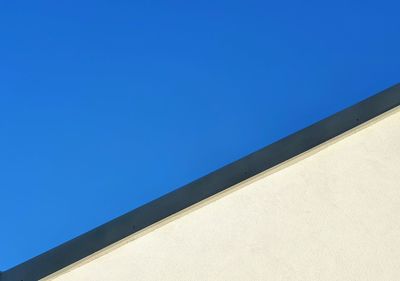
321 204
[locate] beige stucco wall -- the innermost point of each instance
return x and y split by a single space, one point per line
334 215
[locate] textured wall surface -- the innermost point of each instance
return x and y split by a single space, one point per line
334 215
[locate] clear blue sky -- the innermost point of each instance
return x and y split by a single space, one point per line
105 105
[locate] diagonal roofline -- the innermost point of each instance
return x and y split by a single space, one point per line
203 188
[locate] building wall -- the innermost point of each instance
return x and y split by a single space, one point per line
334 215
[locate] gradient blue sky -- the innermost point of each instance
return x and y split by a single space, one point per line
105 105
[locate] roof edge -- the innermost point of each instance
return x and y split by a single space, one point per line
209 185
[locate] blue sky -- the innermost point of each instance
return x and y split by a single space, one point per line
106 105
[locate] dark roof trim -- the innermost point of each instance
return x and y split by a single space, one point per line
175 201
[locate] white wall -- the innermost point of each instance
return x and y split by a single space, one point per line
334 215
